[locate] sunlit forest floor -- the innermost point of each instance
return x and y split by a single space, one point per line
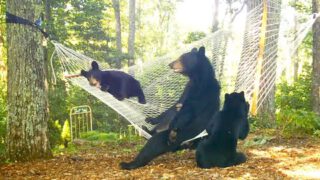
269 157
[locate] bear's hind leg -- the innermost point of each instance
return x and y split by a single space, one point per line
141 97
155 146
239 158
140 94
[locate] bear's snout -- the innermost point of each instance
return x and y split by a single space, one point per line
177 66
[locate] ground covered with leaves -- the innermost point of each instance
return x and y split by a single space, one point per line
269 157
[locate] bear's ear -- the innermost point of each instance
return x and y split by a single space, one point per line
94 65
194 50
242 96
84 73
202 51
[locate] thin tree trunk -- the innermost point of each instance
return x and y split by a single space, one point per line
27 89
2 45
215 21
132 29
316 60
116 8
296 58
47 19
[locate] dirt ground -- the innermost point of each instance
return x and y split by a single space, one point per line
276 158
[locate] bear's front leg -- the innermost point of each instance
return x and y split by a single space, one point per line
119 97
104 88
172 136
179 106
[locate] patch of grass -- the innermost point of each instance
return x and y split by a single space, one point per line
2 152
258 140
71 149
109 137
98 136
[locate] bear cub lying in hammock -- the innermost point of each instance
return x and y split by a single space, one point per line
117 83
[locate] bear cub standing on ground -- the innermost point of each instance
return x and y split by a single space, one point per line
226 127
117 83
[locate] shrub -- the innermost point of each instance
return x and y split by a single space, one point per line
65 134
297 121
294 108
54 133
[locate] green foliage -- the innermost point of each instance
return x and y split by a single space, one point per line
303 6
194 36
58 101
258 141
156 32
298 121
71 149
54 133
80 25
104 118
99 136
296 95
294 108
3 118
65 134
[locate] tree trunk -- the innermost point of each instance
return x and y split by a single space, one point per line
296 57
27 132
316 60
215 21
116 8
47 19
2 45
132 31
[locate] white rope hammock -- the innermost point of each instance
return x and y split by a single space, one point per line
163 87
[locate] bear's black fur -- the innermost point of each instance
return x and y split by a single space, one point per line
117 83
200 104
227 126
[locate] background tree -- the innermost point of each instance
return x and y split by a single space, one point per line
3 82
215 21
116 8
27 89
132 30
316 59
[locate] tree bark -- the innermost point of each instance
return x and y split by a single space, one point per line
316 60
132 31
116 8
27 132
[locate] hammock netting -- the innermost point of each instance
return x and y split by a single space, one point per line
235 69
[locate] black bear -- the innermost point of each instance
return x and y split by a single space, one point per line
201 102
117 83
227 126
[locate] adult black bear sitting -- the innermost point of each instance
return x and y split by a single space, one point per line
201 102
117 83
228 125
